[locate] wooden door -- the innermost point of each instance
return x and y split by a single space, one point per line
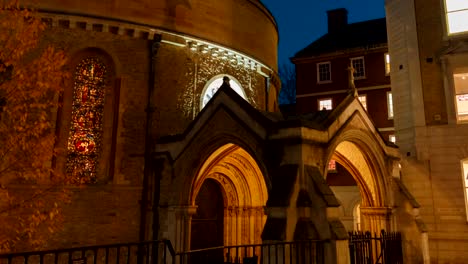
207 224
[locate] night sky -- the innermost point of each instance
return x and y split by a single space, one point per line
301 22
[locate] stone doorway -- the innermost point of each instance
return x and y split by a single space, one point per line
231 184
346 190
207 223
359 185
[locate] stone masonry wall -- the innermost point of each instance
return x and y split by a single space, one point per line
109 211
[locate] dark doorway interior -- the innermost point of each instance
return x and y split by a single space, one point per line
207 223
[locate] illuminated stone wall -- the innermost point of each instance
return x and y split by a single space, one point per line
431 139
121 35
244 25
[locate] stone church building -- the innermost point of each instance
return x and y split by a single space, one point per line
178 151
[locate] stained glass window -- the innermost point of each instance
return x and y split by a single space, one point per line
84 141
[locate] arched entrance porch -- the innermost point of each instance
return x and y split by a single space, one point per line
244 194
367 202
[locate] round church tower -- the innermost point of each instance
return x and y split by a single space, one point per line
134 57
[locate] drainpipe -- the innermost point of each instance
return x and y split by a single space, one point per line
148 170
267 91
158 168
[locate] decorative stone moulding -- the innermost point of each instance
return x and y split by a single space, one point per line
224 53
147 32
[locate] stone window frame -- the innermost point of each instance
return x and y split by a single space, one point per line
107 157
232 80
454 64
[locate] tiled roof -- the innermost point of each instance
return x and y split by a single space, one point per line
362 34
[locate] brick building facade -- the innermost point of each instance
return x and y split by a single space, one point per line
322 75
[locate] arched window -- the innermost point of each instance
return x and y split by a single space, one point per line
84 140
213 85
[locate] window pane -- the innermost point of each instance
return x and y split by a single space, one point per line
465 183
325 104
461 98
390 105
358 65
323 72
461 83
457 21
84 140
214 86
332 166
453 5
387 63
462 106
363 100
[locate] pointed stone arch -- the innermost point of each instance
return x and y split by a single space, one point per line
244 191
363 154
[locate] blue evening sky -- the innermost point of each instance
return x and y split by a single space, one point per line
301 22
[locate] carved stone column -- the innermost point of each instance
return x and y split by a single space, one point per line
230 227
239 227
259 222
247 222
182 218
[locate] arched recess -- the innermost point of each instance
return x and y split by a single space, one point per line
108 92
212 86
244 192
362 156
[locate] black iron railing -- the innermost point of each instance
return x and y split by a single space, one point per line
158 252
143 253
309 251
365 248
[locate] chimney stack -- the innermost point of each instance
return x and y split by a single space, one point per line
337 19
